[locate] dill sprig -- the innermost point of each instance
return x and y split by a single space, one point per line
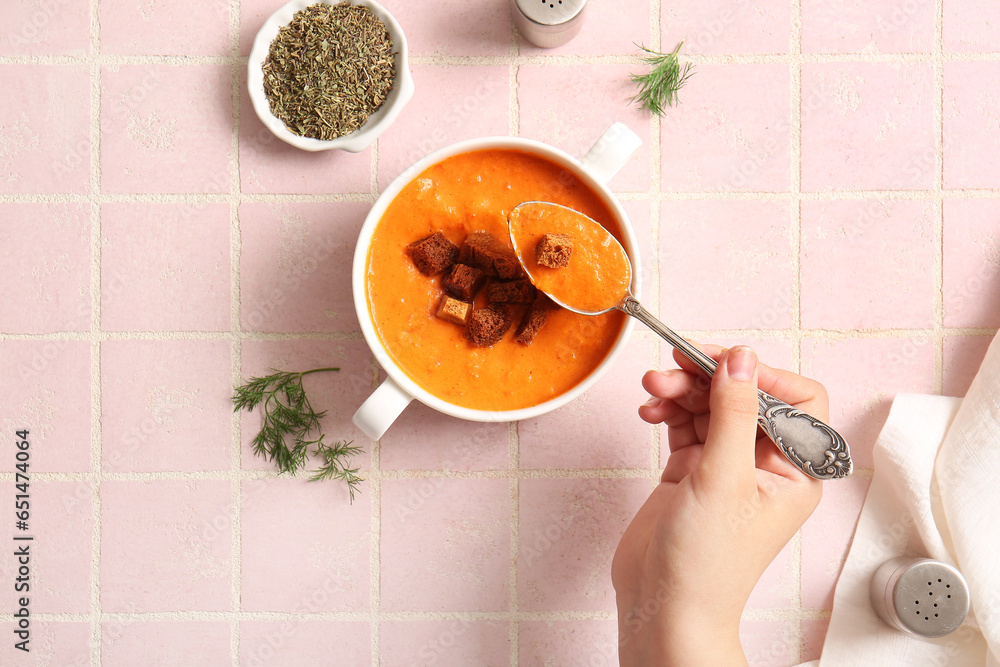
658 88
289 419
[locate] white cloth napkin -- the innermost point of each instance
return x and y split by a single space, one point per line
935 493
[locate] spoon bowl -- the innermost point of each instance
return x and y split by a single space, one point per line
595 280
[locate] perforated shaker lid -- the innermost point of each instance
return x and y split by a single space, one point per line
548 23
551 12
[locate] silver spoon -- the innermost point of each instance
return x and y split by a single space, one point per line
811 445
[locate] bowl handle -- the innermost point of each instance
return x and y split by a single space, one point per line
610 153
380 410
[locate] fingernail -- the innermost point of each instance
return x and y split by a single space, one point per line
741 363
651 403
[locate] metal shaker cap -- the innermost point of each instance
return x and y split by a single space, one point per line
548 23
920 596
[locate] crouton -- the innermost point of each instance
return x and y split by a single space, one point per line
554 251
433 254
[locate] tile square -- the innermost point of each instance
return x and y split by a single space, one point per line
455 27
166 128
52 643
719 139
600 429
867 126
324 542
339 393
45 133
158 29
268 164
166 545
45 28
424 439
963 355
61 522
569 529
166 405
971 129
608 29
640 217
445 544
449 104
862 376
165 643
571 106
727 28
875 26
453 643
578 642
253 14
867 264
813 637
769 643
52 401
47 271
298 642
826 538
295 265
165 267
971 262
970 25
726 264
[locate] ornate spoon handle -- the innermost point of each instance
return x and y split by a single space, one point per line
814 448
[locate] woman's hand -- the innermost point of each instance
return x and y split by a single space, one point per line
727 503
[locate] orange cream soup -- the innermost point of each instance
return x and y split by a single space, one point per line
599 273
465 193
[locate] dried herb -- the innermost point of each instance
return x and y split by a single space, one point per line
329 69
658 88
288 416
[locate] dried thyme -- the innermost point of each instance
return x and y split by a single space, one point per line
329 69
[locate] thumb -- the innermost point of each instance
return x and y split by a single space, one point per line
732 428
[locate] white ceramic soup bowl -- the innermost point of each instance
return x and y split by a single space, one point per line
601 162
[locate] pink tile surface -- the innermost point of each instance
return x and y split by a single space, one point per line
970 25
165 406
40 27
737 248
157 28
962 358
52 401
725 27
326 552
588 642
337 393
448 105
47 269
166 267
554 108
867 126
292 254
880 26
862 376
45 129
268 164
598 430
971 127
568 532
445 545
865 264
304 642
194 643
719 139
61 525
971 263
158 243
166 128
453 643
826 537
166 545
52 643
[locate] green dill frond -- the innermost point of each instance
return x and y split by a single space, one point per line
658 87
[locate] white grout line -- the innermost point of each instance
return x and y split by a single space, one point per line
938 198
